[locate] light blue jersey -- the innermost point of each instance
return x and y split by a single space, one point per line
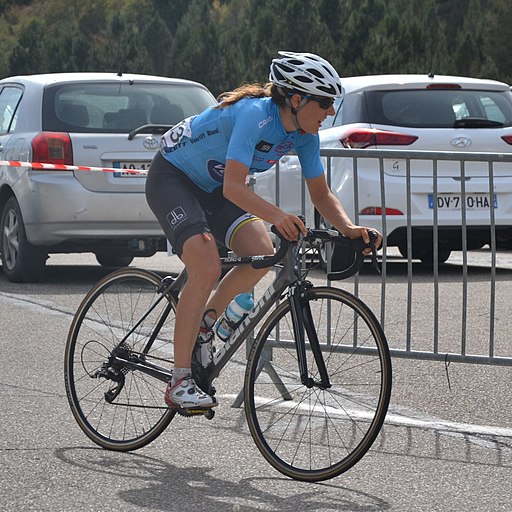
249 131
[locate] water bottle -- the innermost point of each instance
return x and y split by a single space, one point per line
234 314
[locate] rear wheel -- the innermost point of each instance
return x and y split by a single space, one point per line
305 430
119 407
22 262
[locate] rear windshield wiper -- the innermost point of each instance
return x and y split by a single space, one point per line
150 128
476 122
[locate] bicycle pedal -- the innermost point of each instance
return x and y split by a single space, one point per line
207 412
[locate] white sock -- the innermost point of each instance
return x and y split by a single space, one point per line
179 373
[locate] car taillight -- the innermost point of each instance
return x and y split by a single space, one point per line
52 148
507 139
444 86
377 210
363 137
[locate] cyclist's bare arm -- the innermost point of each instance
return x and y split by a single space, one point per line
331 209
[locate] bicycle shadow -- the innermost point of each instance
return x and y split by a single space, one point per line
167 487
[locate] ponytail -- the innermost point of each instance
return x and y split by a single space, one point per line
253 90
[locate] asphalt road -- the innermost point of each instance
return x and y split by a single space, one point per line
446 445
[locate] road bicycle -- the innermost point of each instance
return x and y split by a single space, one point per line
317 379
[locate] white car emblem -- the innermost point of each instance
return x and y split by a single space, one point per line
461 142
150 142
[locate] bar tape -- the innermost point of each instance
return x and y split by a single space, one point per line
62 167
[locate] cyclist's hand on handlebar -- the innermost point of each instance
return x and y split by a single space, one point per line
290 226
362 232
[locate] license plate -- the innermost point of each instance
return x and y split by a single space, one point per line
129 166
455 202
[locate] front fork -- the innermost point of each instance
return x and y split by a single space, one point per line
303 324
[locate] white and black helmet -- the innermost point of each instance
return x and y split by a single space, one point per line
305 73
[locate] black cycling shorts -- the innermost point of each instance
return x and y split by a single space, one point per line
183 209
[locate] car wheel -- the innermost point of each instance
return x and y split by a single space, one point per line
22 262
426 254
113 260
503 245
403 250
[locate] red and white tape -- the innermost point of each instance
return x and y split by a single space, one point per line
62 167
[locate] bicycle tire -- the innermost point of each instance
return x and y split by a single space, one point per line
314 434
138 414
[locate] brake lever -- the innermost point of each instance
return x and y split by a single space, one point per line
373 237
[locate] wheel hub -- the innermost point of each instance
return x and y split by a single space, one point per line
11 242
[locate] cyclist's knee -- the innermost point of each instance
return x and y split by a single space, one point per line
253 240
201 259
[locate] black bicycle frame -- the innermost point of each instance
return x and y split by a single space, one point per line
303 321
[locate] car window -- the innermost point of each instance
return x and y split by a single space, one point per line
9 100
437 108
336 118
115 107
350 109
492 110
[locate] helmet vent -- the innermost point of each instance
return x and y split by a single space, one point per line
327 70
328 90
304 79
286 68
315 72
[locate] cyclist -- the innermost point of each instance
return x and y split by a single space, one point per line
196 186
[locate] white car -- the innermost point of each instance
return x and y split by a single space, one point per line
104 120
415 112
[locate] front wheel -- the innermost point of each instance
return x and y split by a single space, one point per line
308 431
118 406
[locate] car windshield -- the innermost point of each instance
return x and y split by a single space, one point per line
119 107
440 108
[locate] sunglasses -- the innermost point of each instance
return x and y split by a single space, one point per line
324 102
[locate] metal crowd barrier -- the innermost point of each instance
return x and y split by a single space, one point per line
440 312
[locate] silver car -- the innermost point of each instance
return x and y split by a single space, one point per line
83 119
415 112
